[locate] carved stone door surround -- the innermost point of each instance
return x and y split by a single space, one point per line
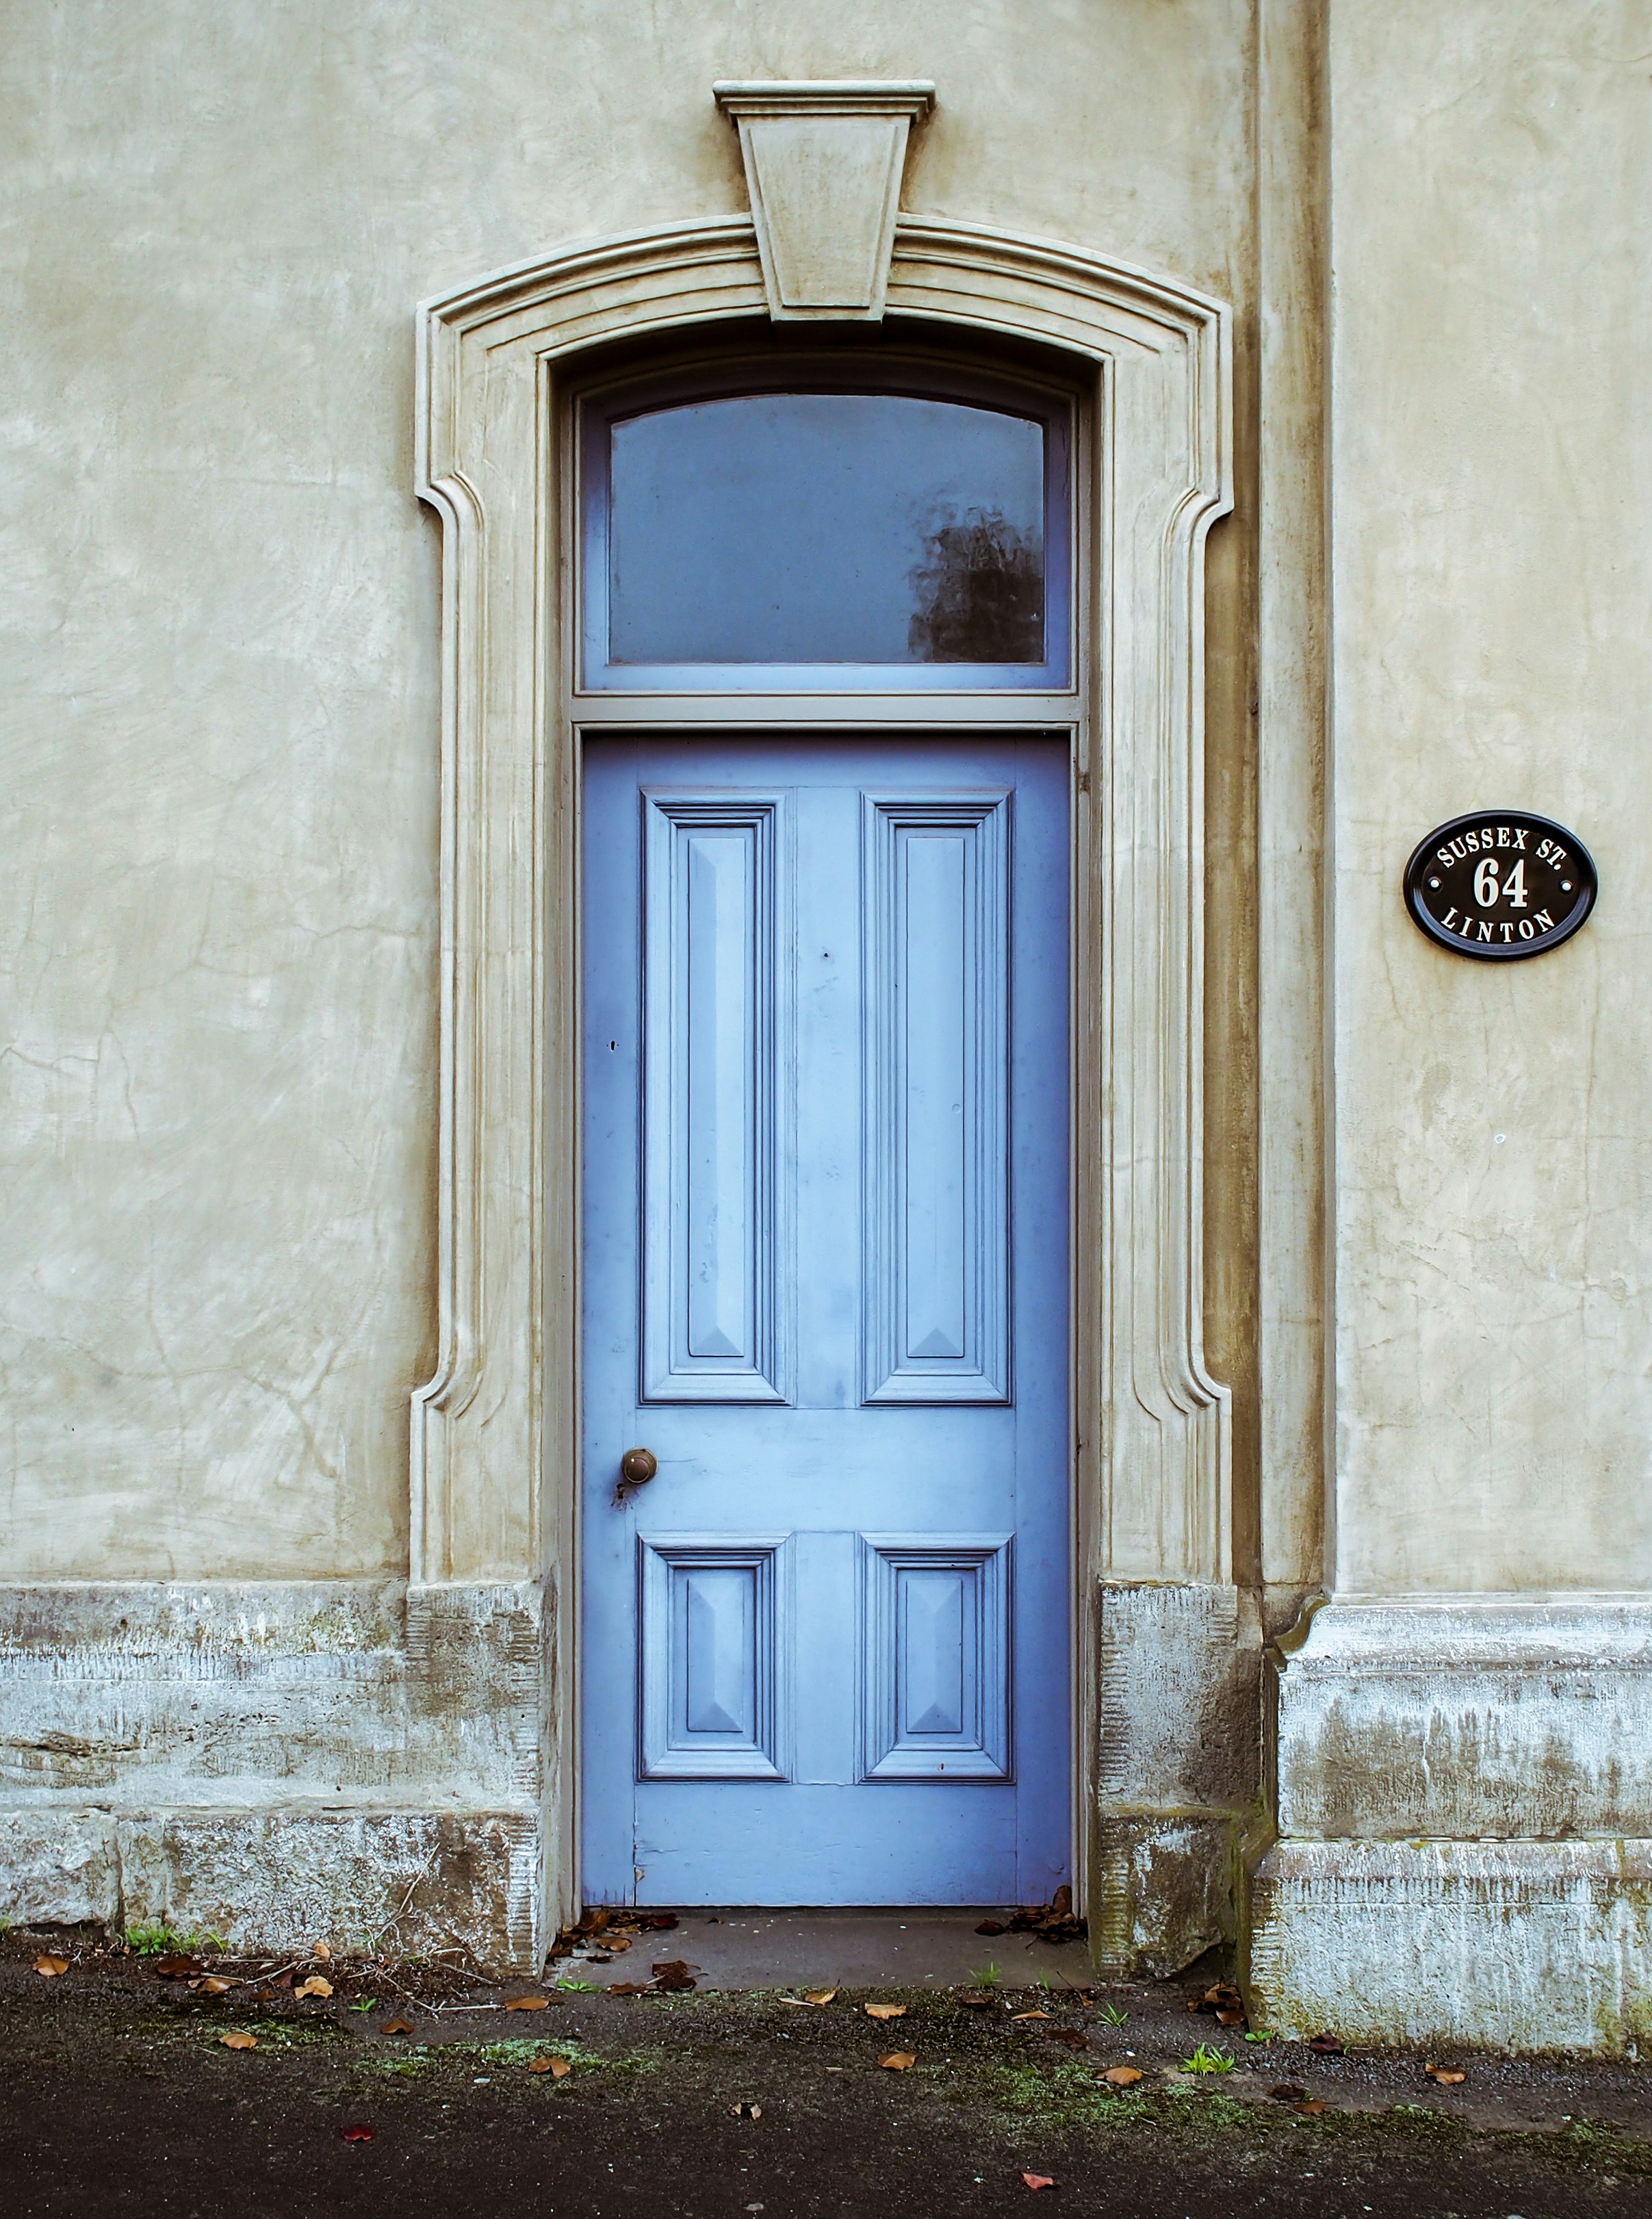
493 1434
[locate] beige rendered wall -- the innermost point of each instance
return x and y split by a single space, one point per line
1492 478
217 1093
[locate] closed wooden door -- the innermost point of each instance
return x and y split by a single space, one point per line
825 1648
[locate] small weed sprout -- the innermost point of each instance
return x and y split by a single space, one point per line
367 2004
1110 2015
1207 2060
985 1976
156 1941
1258 2034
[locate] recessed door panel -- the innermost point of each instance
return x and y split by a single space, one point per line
825 1646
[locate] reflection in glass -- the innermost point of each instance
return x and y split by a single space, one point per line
826 527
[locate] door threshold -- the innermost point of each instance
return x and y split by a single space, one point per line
738 1948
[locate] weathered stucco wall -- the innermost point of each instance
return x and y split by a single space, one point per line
219 1111
1492 475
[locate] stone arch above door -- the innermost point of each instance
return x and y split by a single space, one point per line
494 1432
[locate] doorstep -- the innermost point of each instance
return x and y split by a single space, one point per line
746 1949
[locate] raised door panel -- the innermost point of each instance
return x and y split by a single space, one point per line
715 1032
936 1674
936 1245
714 1667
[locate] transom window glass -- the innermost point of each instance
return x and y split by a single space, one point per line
820 537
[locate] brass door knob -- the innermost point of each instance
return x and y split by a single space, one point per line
637 1466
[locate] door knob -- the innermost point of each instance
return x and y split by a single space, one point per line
637 1466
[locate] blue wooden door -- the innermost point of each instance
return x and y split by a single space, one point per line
825 1648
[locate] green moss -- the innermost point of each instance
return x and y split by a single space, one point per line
1602 2148
275 2035
522 2050
415 2059
1049 2092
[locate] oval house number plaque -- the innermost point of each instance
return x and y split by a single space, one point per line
1500 884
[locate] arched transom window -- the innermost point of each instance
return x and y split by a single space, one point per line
814 532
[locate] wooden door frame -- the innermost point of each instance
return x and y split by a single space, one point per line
494 1433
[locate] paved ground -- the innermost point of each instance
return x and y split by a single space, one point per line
119 2095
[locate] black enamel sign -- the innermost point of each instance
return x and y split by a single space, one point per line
1500 884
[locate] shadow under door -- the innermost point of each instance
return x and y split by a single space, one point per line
826 1645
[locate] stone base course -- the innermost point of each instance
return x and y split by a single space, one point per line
1532 1947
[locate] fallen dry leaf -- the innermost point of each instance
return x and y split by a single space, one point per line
211 1985
357 2131
885 2011
898 2060
745 2111
558 2067
1069 2037
396 2026
614 1945
1445 2078
1038 2179
1051 1922
675 1977
1230 2018
526 2002
50 1968
1327 2045
629 1988
819 1995
1223 1996
1311 2109
316 1986
178 1969
1122 2076
321 1950
1288 2092
239 2040
1031 2014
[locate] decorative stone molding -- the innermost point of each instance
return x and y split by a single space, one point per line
493 1446
823 164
